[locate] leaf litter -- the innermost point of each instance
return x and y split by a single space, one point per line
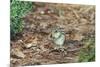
34 46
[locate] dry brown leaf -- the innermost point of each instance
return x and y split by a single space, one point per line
18 53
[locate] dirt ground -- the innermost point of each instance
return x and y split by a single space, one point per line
33 46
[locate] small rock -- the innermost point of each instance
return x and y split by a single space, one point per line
42 12
30 45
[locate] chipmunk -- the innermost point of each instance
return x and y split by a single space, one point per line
58 37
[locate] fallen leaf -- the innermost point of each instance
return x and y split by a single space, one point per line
18 53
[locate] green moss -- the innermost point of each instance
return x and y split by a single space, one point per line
87 53
17 10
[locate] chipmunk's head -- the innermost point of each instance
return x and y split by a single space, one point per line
56 32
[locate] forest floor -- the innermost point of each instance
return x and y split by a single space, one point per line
33 46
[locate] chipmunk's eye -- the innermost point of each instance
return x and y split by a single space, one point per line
56 31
